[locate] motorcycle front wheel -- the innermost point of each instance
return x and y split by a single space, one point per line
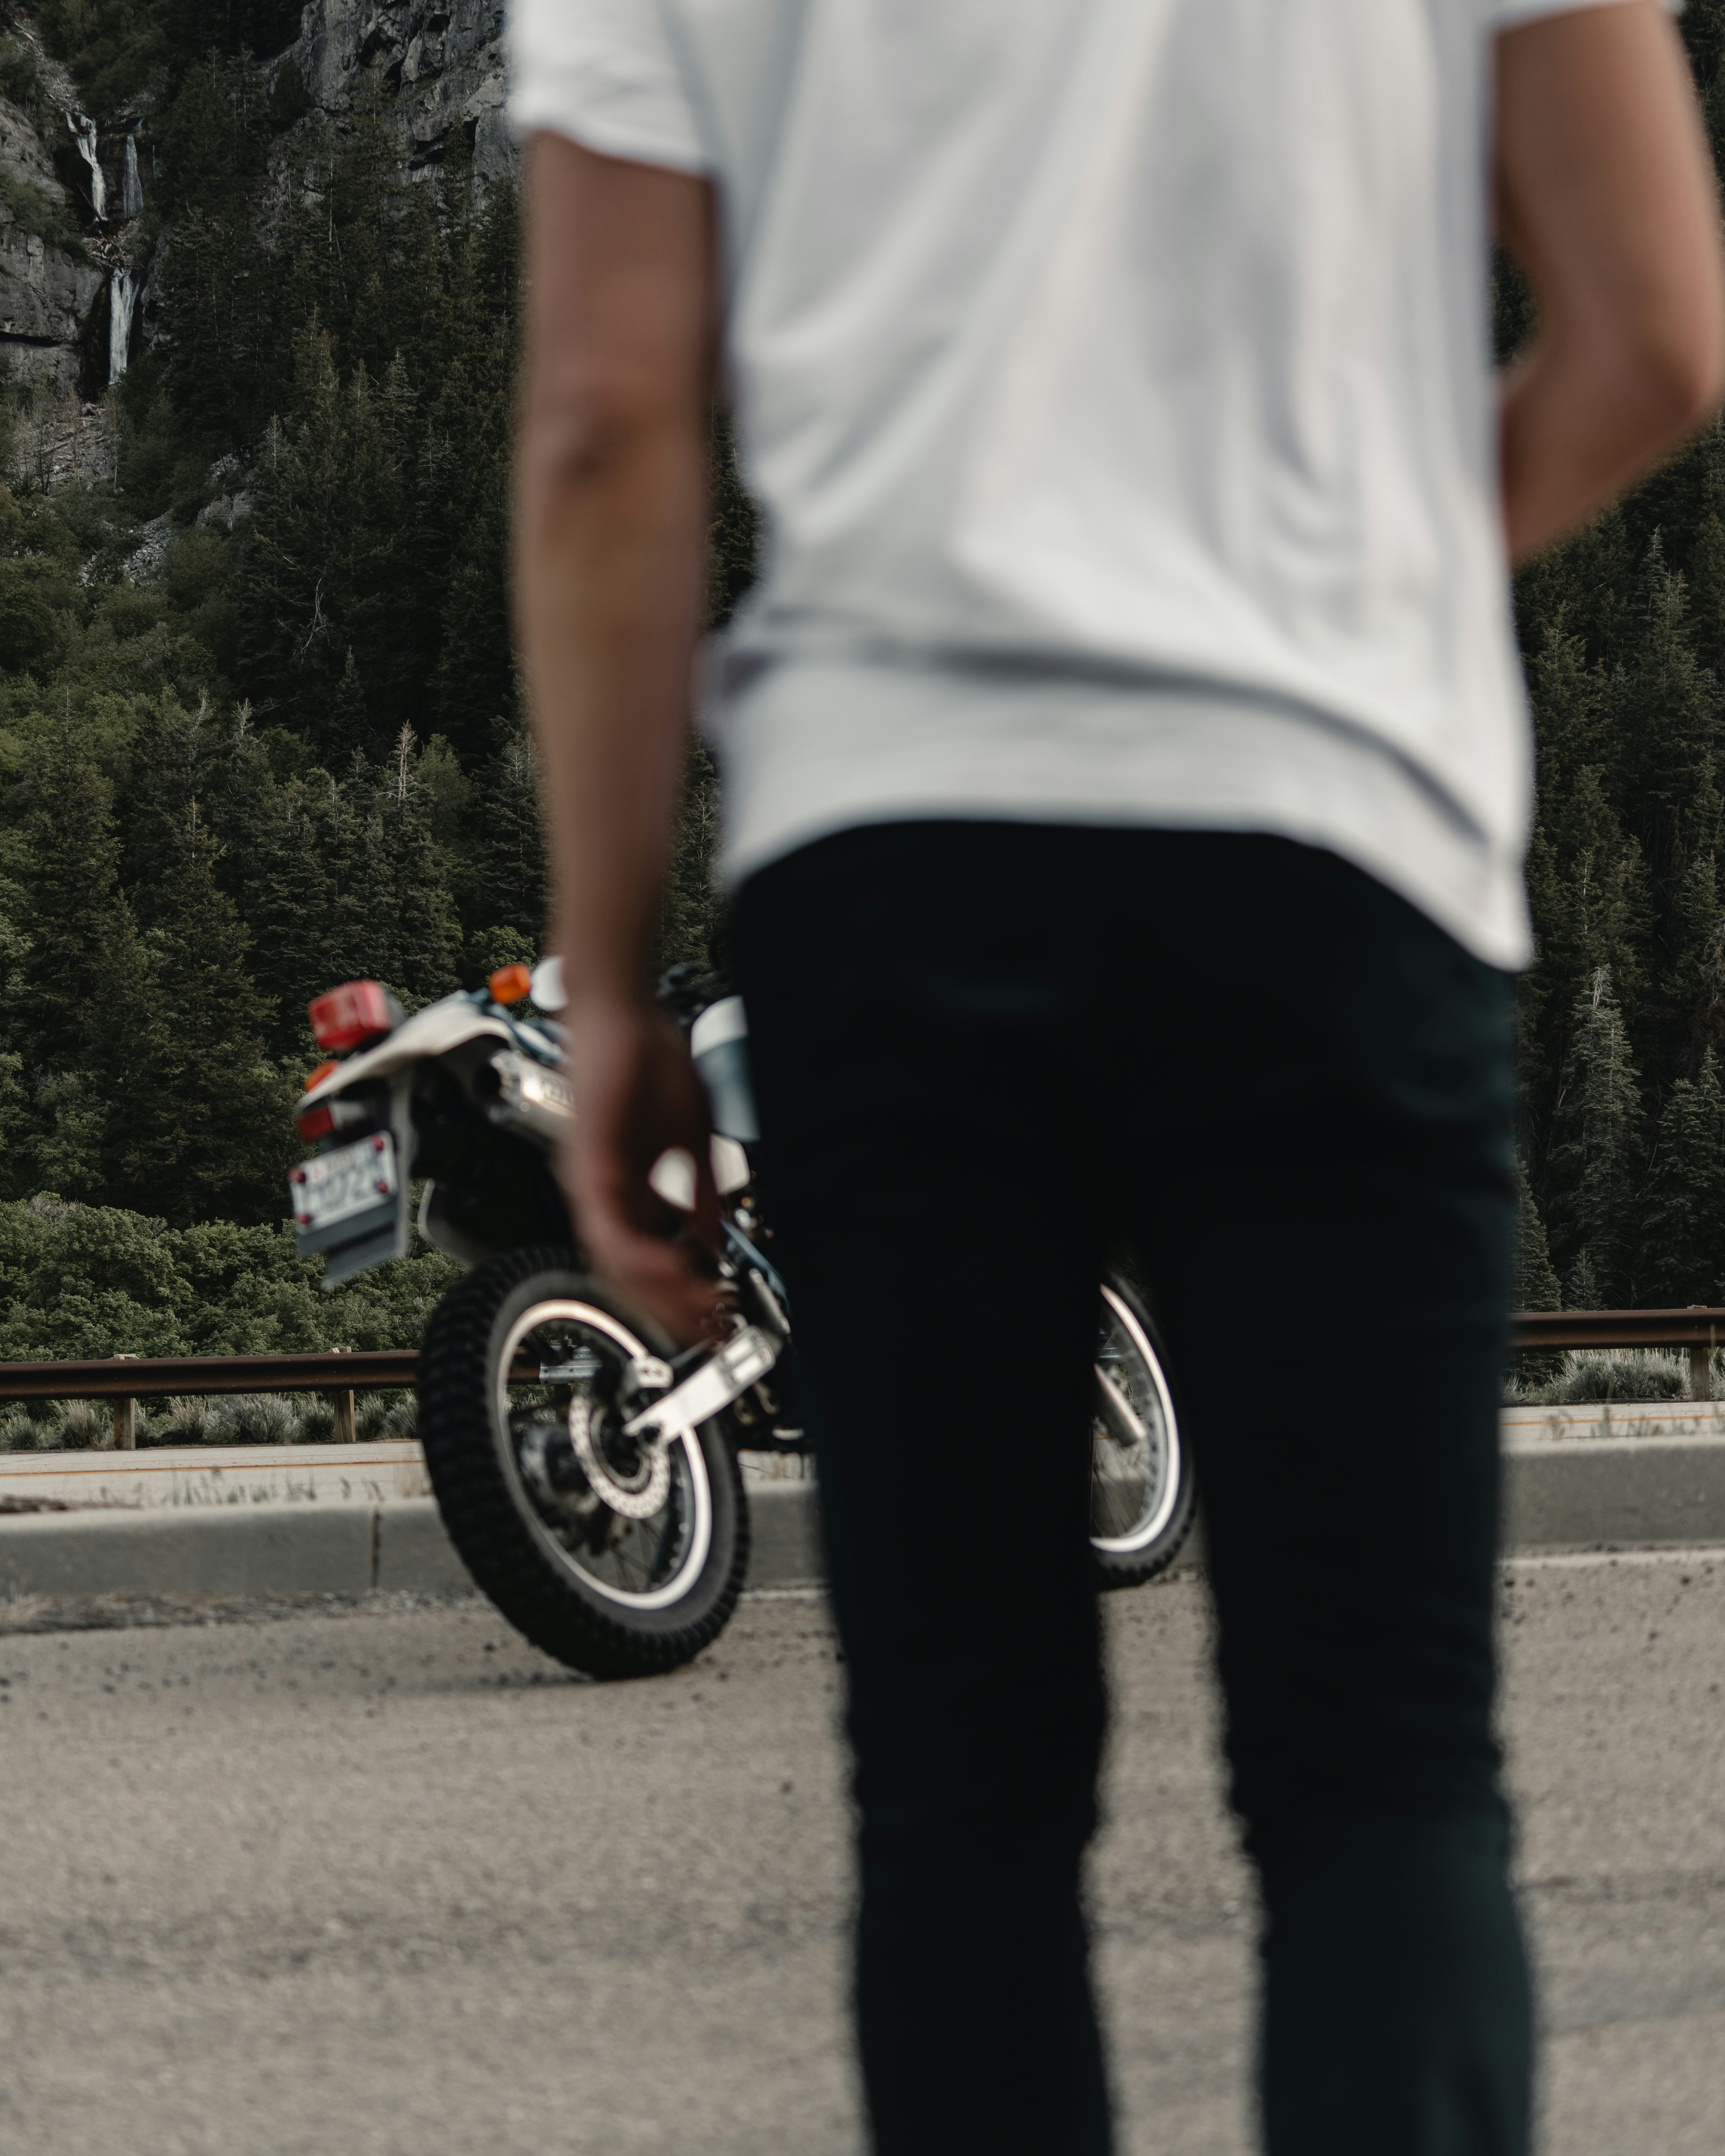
618 1560
1142 1496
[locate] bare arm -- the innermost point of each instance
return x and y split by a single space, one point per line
611 515
1606 197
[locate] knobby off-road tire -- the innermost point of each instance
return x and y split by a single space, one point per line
1143 1493
614 1595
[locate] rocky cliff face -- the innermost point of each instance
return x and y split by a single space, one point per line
440 61
435 67
49 293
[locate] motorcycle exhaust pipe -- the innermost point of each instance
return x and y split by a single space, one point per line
520 1095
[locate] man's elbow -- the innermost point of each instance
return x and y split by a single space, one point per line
581 436
1674 379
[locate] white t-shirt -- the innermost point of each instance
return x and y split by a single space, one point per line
1115 378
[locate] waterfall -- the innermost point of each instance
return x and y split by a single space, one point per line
131 188
85 131
122 295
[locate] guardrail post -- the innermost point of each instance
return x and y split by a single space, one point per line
125 1415
1701 1372
344 1432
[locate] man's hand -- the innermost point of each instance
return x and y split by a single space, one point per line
638 1095
1606 197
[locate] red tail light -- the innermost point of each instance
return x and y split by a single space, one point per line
357 1012
315 1123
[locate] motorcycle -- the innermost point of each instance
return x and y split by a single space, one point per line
587 1470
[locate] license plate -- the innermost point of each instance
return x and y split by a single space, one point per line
337 1185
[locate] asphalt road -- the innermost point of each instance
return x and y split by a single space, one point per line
388 1883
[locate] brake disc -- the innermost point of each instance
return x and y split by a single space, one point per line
639 1496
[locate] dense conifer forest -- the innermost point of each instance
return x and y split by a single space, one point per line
1622 1015
291 750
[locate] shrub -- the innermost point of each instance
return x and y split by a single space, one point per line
1611 1373
80 1282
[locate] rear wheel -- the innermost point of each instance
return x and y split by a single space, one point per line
620 1558
1141 1492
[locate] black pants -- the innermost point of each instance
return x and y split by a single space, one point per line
983 1052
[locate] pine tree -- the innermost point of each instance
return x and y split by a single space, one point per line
689 912
1591 909
1695 976
733 536
134 1142
325 555
1706 563
204 1132
1666 713
1585 587
505 884
285 895
427 959
362 941
1683 1221
345 732
1595 1154
174 763
476 669
1534 1278
220 333
67 880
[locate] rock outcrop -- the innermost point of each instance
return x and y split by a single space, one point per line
438 62
71 311
48 295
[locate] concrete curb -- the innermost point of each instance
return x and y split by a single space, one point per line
1562 1495
252 1550
259 1550
1579 1493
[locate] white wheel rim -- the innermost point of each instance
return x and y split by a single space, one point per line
700 1536
1146 1532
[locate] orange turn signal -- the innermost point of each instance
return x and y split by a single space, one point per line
509 984
317 1076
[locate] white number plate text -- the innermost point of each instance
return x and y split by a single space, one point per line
335 1185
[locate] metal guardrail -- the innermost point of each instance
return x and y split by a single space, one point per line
126 1379
1700 1328
157 1376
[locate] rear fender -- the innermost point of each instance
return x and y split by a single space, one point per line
437 1030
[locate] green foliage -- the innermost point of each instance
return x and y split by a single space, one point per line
197 1121
21 78
78 1282
1535 1278
1595 1154
293 749
734 535
1608 1374
1624 629
32 208
506 881
68 862
1683 1212
1533 1283
30 641
115 46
